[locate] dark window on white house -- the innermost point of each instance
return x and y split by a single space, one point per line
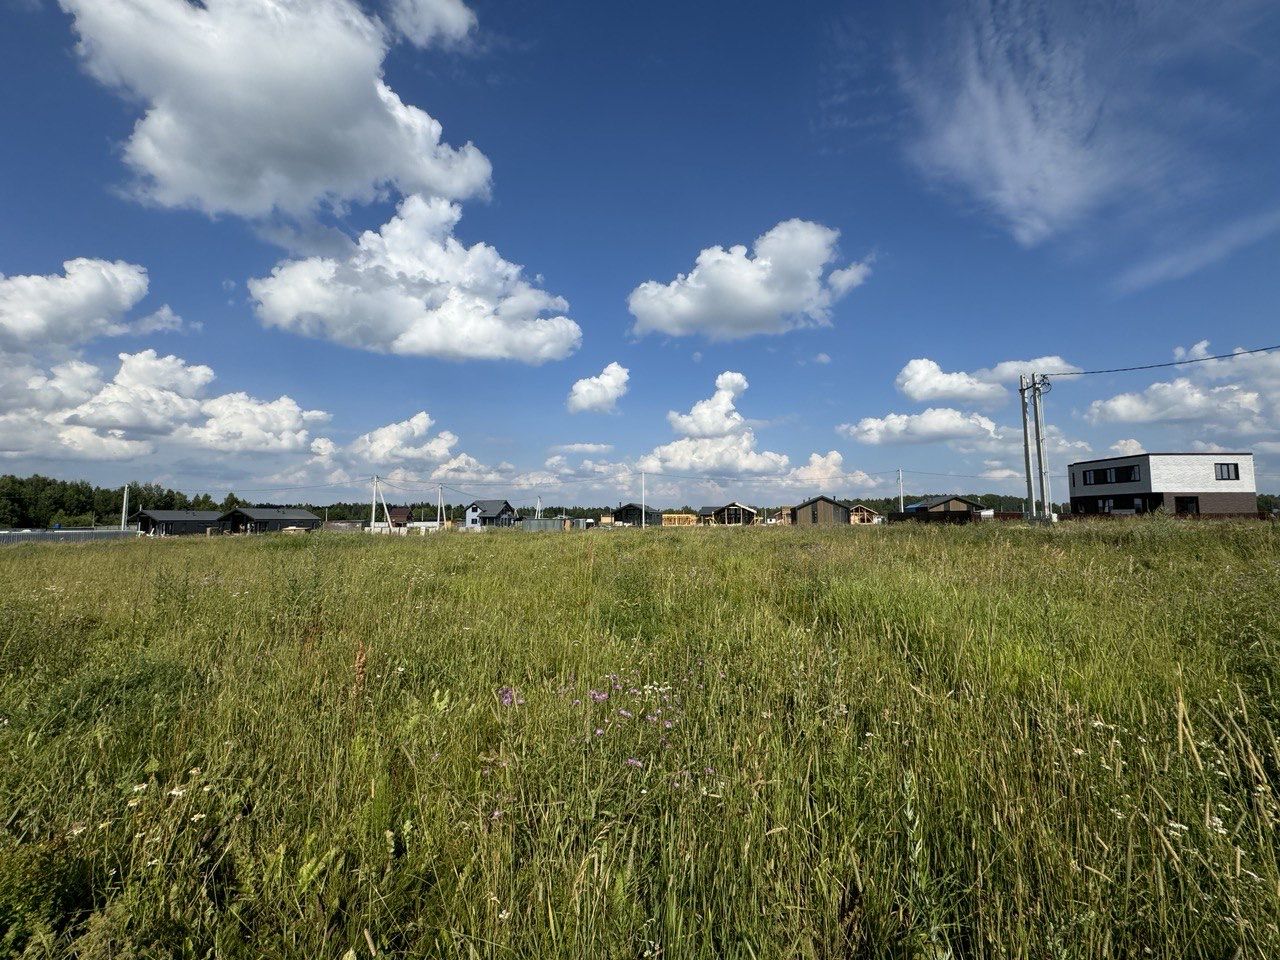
1226 471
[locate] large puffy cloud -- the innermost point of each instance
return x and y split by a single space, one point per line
252 106
934 424
413 288
600 393
89 299
1178 400
925 381
715 437
716 416
239 423
1128 448
406 441
69 412
784 283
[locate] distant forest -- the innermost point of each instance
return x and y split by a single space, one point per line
39 501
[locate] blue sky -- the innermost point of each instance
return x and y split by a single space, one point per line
792 247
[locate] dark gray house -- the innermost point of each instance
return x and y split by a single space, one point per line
173 523
951 508
267 519
1185 484
630 514
820 512
491 513
733 514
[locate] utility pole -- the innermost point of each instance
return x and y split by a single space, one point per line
439 508
373 504
642 518
1023 387
901 506
1038 383
124 510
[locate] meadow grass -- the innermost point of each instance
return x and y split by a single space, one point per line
992 741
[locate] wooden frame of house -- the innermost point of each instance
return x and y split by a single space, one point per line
732 514
861 513
679 519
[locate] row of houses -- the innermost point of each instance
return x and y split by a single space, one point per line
173 523
817 511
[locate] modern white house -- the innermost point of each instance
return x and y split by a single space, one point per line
482 514
1201 484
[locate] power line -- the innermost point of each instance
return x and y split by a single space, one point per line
1157 366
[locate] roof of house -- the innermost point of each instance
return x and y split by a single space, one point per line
732 503
1174 453
491 508
648 508
400 513
935 501
863 506
813 500
272 513
168 516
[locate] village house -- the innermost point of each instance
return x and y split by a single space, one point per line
174 523
861 513
482 514
630 514
267 520
820 511
732 514
950 508
1185 484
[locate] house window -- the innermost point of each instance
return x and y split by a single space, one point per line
1129 474
1226 471
1106 505
1089 476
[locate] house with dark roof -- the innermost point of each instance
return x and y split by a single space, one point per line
175 523
634 515
490 513
400 516
950 508
732 514
821 511
267 520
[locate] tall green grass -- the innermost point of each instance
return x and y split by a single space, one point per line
903 742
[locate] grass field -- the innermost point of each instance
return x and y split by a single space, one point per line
890 742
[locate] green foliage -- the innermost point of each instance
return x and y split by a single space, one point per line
899 741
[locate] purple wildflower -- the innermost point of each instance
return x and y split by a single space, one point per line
626 714
599 696
599 732
496 815
633 762
509 697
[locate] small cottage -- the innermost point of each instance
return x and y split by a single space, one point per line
820 512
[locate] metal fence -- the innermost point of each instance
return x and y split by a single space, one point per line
63 536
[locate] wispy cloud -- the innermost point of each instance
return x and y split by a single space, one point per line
1064 119
1204 252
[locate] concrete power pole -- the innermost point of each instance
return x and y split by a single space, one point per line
642 517
901 506
1038 383
373 504
1023 387
124 510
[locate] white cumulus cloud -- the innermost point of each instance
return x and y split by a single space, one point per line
924 380
600 393
782 284
1177 400
254 106
1128 448
406 441
89 299
424 22
934 424
412 288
